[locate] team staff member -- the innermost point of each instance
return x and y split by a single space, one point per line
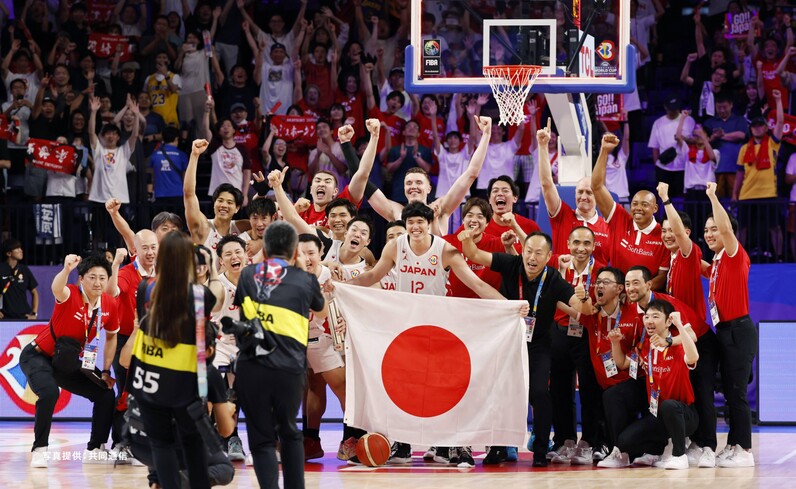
528 277
684 282
164 364
635 236
281 296
562 218
728 303
570 355
671 398
80 312
15 282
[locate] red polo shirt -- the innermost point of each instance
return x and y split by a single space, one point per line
318 218
395 125
567 219
426 137
684 280
729 284
487 243
71 318
670 374
354 107
598 325
687 315
495 229
632 246
561 317
129 278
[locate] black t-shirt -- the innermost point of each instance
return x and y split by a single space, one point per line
50 129
19 281
554 289
281 295
216 387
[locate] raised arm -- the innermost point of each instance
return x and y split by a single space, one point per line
472 252
59 288
197 222
780 115
299 17
686 338
94 106
121 225
683 240
289 213
622 361
112 288
549 190
605 203
359 179
685 76
451 200
722 221
133 107
699 32
454 260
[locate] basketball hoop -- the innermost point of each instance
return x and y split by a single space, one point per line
510 86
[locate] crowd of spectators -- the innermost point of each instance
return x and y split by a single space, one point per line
125 85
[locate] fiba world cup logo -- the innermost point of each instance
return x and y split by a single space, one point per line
431 48
606 50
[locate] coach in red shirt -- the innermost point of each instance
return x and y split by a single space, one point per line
635 236
728 304
80 312
562 218
684 282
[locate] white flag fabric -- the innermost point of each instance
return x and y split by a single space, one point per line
433 370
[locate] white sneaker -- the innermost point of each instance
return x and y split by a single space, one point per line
647 460
122 455
430 454
39 458
739 458
707 460
665 456
564 453
96 456
726 452
615 460
694 453
583 454
676 463
249 460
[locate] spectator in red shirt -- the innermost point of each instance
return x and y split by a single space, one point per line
80 312
768 61
247 132
320 71
425 111
394 123
350 96
635 236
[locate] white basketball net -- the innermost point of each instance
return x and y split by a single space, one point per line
510 86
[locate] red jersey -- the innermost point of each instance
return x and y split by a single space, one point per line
320 76
772 81
687 315
668 373
632 246
246 136
588 276
487 243
567 219
129 278
729 284
307 110
598 326
495 229
354 107
71 318
394 123
426 137
317 218
684 280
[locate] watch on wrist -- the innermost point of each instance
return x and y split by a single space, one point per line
106 372
669 340
666 202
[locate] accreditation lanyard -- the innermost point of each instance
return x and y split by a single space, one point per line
10 281
669 286
714 278
650 364
538 291
643 329
201 354
608 327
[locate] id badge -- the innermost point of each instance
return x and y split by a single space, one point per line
654 402
530 324
574 329
714 313
90 355
634 365
609 364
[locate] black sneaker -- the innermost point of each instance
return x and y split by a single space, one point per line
539 461
453 456
465 458
600 452
442 456
495 455
401 455
430 454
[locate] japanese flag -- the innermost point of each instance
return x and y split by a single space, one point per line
435 370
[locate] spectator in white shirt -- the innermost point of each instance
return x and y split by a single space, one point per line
275 79
328 155
111 162
499 155
669 165
616 167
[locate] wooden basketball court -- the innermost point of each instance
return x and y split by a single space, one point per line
775 453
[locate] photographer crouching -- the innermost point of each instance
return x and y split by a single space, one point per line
276 298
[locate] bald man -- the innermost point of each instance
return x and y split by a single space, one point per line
635 236
124 286
562 218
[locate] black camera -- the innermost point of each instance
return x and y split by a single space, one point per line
240 329
250 335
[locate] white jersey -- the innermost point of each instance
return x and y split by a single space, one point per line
333 254
387 282
317 324
352 271
213 237
420 274
229 309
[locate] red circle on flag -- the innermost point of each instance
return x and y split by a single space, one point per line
426 371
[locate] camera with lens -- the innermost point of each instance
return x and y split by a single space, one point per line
250 335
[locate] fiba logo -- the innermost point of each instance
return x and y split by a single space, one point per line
433 259
431 48
606 50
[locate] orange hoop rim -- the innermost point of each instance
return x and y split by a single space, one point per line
509 71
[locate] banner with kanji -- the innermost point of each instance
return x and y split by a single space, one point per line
49 155
8 128
609 107
104 46
299 129
100 11
788 129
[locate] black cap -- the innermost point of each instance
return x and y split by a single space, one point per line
237 106
396 70
672 102
48 99
278 45
758 121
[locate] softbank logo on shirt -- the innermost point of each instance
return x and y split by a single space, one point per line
636 250
660 369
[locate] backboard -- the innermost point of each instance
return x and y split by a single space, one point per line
582 45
